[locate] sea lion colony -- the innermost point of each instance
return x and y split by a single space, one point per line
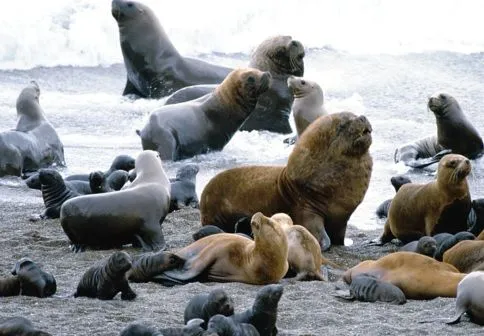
266 223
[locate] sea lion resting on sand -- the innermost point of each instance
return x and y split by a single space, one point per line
466 256
132 215
224 326
34 143
19 326
187 129
325 179
204 306
425 245
454 132
33 280
450 241
108 278
229 257
426 209
397 182
147 265
153 65
10 286
192 328
413 273
282 57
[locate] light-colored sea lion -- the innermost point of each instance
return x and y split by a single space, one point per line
224 326
308 103
207 124
33 280
229 257
415 274
19 326
183 188
454 132
108 278
425 245
368 288
147 265
132 215
325 179
10 286
397 182
438 206
451 241
466 255
204 306
153 65
282 57
120 162
304 254
263 313
34 143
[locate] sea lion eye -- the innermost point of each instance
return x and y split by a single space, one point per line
442 96
250 80
303 82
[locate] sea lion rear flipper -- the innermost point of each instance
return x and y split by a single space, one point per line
422 163
131 89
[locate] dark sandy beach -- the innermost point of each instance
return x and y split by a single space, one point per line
306 308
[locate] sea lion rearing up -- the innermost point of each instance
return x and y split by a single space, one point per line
418 276
454 132
207 124
108 278
282 57
426 209
34 143
325 179
153 65
132 215
231 257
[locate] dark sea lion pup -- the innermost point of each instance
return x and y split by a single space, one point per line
19 326
147 265
183 188
33 280
130 216
205 306
455 133
325 179
137 329
10 286
183 130
205 231
451 242
397 182
54 192
224 326
34 143
108 278
120 162
475 220
153 65
425 245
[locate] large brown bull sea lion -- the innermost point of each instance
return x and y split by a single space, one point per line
325 179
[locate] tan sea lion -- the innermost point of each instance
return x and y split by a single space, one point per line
466 256
325 179
304 254
207 124
426 209
231 257
418 276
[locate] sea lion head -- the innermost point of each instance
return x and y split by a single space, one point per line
28 100
283 219
302 87
117 179
50 177
262 225
220 302
453 169
221 325
280 55
97 183
21 263
187 172
427 246
148 165
439 102
123 162
243 87
268 298
123 10
119 262
399 180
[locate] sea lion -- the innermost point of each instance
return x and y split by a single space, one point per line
120 162
19 326
80 187
397 182
187 129
425 245
10 286
282 57
475 220
466 255
454 132
325 179
205 231
204 306
108 278
192 328
132 215
54 192
229 257
183 188
263 313
438 206
304 254
307 105
153 65
147 265
136 329
33 280
450 242
224 326
34 143
413 273
368 288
